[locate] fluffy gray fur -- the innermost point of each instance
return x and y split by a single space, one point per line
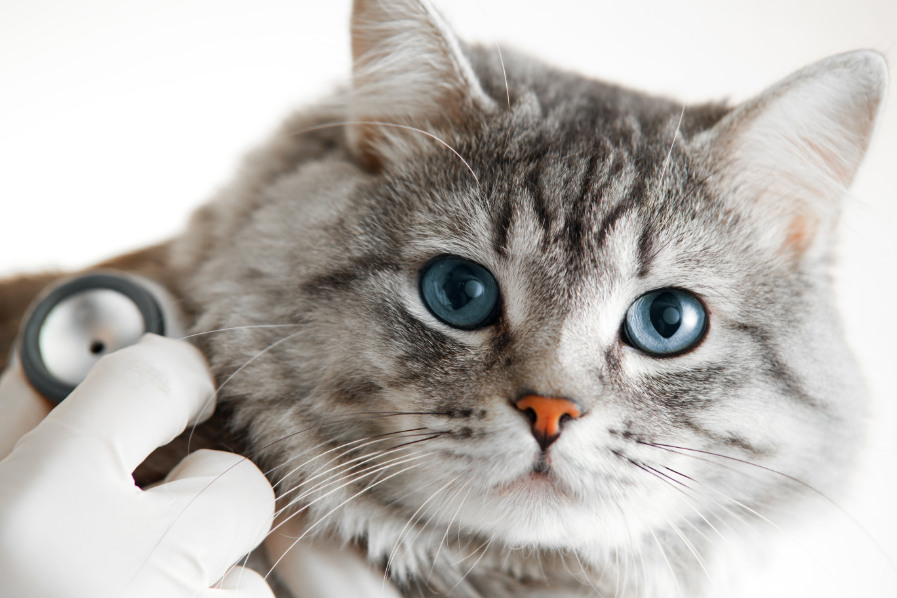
579 197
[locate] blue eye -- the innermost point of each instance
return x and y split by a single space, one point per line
665 322
460 293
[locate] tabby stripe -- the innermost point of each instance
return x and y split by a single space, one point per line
731 440
777 369
501 225
646 250
616 214
347 275
539 204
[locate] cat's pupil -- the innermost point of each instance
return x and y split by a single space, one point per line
666 314
460 287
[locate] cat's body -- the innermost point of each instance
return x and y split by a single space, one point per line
405 436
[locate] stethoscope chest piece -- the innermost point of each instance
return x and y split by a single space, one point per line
81 320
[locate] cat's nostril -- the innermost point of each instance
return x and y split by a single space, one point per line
531 414
547 415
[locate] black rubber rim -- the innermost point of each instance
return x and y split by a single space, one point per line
32 361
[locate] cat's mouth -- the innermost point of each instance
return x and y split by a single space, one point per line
540 479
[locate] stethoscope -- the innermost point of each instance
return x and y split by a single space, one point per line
72 325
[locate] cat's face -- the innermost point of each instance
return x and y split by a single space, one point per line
386 405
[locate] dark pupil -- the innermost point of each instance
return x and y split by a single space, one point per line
461 286
666 314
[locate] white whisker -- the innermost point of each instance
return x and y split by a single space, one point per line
333 510
666 560
666 162
364 443
335 478
464 558
445 535
689 545
237 371
370 471
232 328
394 125
411 522
504 75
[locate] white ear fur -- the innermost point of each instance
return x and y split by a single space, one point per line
793 151
409 71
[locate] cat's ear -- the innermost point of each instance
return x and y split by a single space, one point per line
409 73
789 155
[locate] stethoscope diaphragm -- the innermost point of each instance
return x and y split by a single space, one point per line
79 321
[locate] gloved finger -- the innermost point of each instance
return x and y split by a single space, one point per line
241 582
22 407
131 402
223 508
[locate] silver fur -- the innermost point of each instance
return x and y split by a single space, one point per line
579 197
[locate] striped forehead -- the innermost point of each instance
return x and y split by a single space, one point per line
570 214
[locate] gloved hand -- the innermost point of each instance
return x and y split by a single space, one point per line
73 523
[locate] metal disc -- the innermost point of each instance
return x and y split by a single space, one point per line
79 322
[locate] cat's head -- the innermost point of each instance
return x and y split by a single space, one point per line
527 308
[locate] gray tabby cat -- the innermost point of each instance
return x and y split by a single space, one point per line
536 323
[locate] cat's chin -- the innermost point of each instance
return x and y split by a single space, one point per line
534 514
533 509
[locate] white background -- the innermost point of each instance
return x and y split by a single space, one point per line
118 117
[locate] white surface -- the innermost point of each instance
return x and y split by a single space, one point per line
117 118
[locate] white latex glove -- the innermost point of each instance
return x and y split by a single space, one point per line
21 406
73 523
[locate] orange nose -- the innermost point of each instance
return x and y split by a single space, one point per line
547 415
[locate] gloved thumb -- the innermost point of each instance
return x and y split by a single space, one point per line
220 505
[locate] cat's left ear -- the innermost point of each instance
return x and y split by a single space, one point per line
789 155
410 81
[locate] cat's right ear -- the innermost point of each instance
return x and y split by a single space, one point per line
788 155
411 81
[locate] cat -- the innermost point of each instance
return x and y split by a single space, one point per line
509 331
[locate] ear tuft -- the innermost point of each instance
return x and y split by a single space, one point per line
409 73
